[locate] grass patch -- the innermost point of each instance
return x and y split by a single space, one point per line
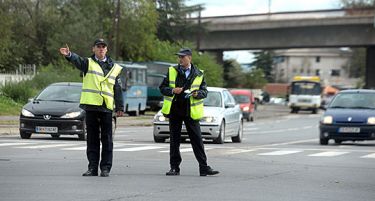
9 107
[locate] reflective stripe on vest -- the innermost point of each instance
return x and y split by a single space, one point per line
96 87
167 102
196 105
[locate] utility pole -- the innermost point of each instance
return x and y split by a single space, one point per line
269 6
117 21
199 28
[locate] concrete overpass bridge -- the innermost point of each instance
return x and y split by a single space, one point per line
307 29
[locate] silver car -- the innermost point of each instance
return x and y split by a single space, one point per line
222 118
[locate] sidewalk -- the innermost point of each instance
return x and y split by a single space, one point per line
9 124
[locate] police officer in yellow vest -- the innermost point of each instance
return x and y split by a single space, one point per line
181 106
101 94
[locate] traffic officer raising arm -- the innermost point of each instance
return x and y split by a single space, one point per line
101 94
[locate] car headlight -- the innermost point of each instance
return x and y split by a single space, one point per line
327 120
71 115
371 120
246 108
26 113
208 119
160 118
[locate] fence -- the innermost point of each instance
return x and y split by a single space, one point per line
24 72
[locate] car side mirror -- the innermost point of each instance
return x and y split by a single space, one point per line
229 105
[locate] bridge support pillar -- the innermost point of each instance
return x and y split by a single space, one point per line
218 54
370 68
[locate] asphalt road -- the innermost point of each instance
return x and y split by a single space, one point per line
279 159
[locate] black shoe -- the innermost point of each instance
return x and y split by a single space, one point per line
208 171
90 172
104 173
173 172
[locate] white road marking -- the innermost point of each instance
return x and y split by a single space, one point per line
46 146
239 151
75 148
185 150
329 153
139 148
369 156
15 144
279 153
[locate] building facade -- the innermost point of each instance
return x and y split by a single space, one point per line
330 64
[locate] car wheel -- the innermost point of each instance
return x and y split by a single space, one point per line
159 139
238 138
25 135
338 141
315 111
221 138
55 135
323 141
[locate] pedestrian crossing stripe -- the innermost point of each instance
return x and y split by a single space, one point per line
15 144
139 148
279 153
46 146
164 148
329 153
369 156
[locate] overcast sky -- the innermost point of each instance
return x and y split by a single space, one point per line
241 7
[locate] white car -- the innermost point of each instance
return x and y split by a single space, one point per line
222 118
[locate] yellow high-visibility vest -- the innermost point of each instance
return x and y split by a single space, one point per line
96 87
196 105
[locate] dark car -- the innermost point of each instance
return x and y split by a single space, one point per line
55 111
349 116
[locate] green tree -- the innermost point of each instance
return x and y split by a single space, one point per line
173 24
6 35
233 74
255 79
264 61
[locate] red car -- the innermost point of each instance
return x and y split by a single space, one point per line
246 99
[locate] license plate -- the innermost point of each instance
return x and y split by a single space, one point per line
42 129
349 130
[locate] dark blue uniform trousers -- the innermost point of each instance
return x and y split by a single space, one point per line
195 136
99 128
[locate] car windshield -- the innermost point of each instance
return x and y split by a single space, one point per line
306 88
61 93
213 99
241 98
354 100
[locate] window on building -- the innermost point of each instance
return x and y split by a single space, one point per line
317 59
335 72
302 70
